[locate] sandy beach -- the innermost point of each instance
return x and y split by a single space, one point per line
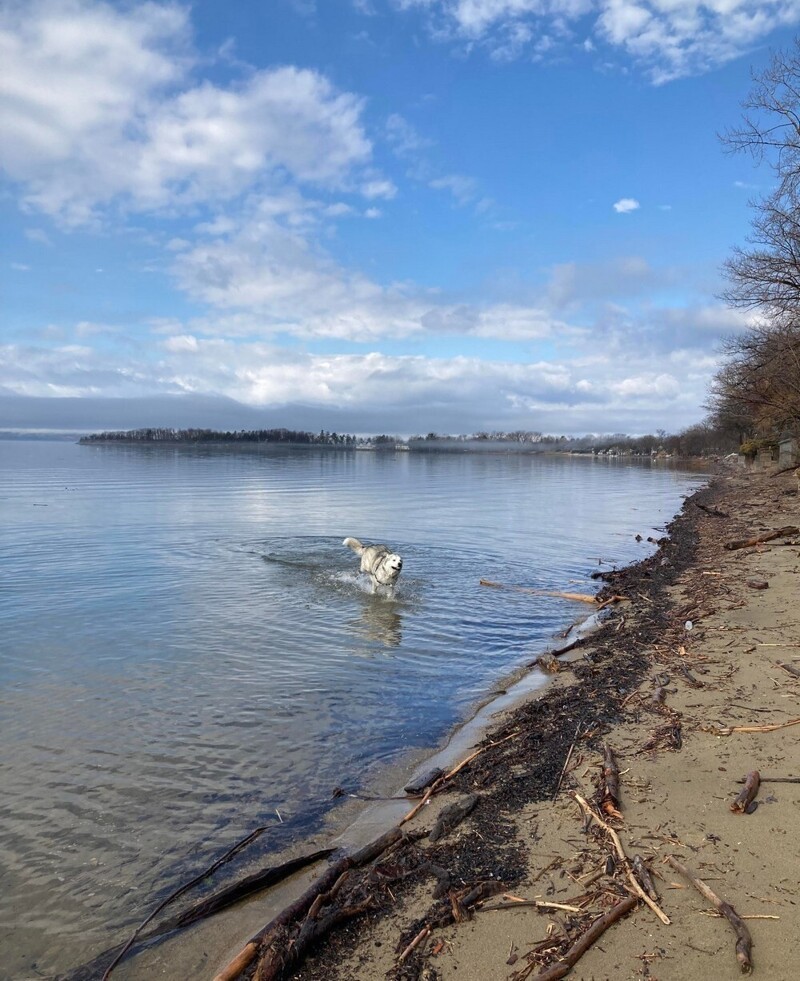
691 684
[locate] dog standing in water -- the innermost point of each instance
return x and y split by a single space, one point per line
382 566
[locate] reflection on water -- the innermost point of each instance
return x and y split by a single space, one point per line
188 647
380 621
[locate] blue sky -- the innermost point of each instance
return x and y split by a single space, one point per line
398 214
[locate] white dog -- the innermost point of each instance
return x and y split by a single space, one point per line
382 566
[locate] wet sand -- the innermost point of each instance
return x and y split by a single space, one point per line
679 769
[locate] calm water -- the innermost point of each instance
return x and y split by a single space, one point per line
186 647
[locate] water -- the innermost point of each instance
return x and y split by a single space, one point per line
187 649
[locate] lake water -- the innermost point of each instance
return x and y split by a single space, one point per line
187 651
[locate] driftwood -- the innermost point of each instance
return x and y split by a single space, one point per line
773 780
791 669
592 815
687 674
668 736
441 781
548 663
657 699
423 782
727 730
557 594
712 511
609 801
585 941
244 887
566 761
760 539
515 902
578 597
644 877
180 891
276 928
453 815
460 909
744 802
282 955
744 941
423 933
269 936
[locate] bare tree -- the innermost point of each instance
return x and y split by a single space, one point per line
757 389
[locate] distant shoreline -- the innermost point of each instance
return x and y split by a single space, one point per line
290 440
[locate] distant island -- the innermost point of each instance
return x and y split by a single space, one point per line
702 440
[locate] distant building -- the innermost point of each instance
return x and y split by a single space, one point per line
788 450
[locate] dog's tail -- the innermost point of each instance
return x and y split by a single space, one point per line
355 544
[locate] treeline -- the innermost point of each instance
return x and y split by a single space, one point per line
701 440
756 392
166 435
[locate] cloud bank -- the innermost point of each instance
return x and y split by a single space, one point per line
113 120
665 38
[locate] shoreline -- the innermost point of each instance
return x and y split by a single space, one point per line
354 823
517 821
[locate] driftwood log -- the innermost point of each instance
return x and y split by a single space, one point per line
714 512
744 802
453 815
212 904
585 941
424 781
578 597
744 942
268 938
760 539
609 801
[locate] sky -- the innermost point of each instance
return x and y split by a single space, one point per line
374 215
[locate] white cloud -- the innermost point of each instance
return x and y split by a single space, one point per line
39 236
99 107
462 188
626 205
379 188
667 38
562 396
402 136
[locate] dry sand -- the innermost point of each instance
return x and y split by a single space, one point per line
678 776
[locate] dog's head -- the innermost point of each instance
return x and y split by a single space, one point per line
391 566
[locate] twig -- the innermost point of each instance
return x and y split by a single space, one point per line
744 916
773 780
744 941
423 933
593 815
566 761
538 903
727 730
